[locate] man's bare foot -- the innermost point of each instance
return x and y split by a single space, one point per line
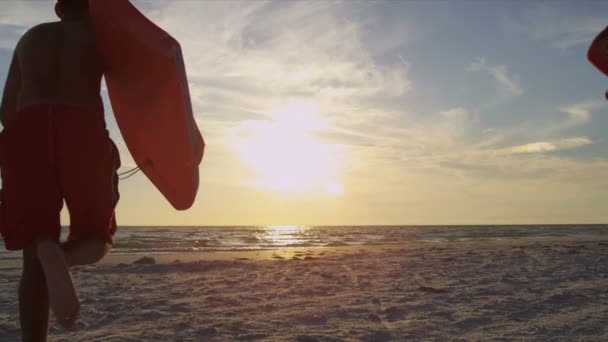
62 294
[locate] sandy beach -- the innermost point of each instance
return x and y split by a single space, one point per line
520 289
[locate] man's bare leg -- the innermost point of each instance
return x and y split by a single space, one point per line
85 251
62 295
33 299
33 291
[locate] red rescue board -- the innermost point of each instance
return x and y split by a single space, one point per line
598 52
146 79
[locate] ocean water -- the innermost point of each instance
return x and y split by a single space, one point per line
155 240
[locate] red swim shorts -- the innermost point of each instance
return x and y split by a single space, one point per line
52 153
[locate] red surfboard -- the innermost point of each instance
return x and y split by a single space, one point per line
598 52
146 79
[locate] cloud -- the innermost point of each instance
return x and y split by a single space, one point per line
500 74
249 57
580 112
547 146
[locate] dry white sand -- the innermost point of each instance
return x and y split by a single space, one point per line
503 290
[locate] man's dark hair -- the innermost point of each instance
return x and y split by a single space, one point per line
75 7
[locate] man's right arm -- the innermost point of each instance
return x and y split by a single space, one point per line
12 87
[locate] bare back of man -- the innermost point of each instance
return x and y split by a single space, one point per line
59 64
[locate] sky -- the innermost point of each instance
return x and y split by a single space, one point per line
379 112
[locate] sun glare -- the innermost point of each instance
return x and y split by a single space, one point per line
285 155
284 235
334 189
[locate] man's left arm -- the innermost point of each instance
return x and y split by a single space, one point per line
12 88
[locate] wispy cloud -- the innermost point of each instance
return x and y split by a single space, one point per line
500 73
249 56
580 113
577 114
548 146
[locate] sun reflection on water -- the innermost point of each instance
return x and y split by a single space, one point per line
285 235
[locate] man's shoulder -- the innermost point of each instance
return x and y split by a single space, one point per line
44 27
38 31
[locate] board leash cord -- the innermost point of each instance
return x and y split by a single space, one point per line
128 174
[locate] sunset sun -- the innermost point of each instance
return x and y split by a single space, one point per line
284 154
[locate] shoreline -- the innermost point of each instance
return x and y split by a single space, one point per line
289 252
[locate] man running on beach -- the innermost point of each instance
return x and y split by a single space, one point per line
55 147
